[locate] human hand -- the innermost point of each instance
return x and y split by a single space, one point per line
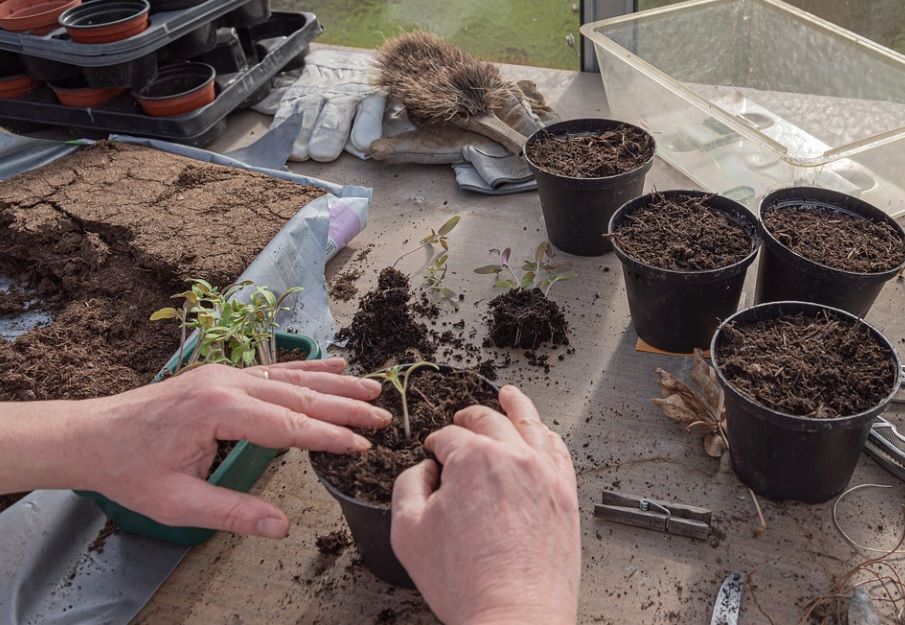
151 449
498 540
339 102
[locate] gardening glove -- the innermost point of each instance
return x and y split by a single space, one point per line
340 105
481 164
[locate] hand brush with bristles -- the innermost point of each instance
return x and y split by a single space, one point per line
436 81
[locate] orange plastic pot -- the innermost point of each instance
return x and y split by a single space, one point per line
77 93
101 21
178 89
17 86
31 16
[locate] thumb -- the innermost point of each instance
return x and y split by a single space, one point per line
410 494
201 504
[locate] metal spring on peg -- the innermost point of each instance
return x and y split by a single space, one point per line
646 503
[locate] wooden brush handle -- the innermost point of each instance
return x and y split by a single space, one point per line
493 127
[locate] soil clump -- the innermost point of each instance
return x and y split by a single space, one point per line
819 367
836 239
592 155
526 319
682 233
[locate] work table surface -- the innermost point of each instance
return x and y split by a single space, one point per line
595 394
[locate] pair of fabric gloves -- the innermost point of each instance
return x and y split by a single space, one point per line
339 107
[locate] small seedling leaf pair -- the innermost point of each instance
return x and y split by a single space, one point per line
230 331
700 408
541 272
398 376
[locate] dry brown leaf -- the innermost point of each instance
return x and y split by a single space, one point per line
696 408
674 407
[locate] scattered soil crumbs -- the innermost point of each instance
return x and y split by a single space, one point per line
333 543
383 331
433 398
813 366
683 233
592 155
525 319
102 238
836 239
97 545
342 287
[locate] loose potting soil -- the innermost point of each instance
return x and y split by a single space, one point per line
433 398
836 239
526 318
101 239
682 233
819 367
622 149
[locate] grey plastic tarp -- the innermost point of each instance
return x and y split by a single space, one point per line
48 575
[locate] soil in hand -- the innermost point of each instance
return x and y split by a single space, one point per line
820 366
527 319
383 331
433 398
836 239
682 233
619 150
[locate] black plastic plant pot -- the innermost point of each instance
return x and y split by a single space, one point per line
370 526
249 14
786 275
239 471
370 523
576 210
678 311
782 456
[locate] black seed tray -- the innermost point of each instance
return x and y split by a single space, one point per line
267 47
164 28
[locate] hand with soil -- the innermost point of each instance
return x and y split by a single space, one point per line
498 541
151 449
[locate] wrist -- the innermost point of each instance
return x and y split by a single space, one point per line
38 444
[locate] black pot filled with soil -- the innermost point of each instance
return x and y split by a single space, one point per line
826 247
363 483
684 256
803 383
585 170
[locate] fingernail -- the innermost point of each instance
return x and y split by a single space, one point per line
361 443
372 386
272 527
384 415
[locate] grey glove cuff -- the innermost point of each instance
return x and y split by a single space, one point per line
469 179
496 165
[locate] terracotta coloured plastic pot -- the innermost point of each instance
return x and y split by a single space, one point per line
33 17
178 89
76 92
783 456
102 21
17 85
786 275
577 210
677 311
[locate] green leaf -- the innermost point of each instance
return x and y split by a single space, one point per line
449 225
488 269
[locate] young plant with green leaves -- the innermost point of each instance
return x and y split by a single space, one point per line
229 330
541 272
435 269
398 376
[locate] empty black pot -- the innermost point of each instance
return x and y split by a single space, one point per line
786 275
577 210
677 311
783 456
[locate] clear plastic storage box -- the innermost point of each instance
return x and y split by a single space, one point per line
747 96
